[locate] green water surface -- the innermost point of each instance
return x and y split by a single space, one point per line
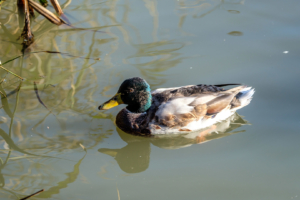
254 156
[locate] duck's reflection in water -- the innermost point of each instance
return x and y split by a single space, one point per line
135 156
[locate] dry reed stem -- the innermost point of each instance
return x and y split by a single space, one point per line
27 34
31 11
42 190
57 7
46 13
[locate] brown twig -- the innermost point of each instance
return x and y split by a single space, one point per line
46 13
42 190
27 34
57 7
53 18
31 11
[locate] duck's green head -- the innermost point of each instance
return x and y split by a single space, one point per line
135 92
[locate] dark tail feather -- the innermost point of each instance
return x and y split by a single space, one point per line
223 85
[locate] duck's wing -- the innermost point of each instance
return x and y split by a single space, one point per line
192 89
177 107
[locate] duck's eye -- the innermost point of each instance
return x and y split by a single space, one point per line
115 98
131 90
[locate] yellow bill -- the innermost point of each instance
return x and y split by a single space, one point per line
114 101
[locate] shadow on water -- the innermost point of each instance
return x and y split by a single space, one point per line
135 156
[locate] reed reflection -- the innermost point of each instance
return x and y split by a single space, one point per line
30 151
21 163
135 156
153 59
201 8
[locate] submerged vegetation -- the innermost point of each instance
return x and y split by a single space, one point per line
26 12
10 89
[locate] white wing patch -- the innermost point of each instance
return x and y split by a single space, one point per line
204 98
183 105
176 106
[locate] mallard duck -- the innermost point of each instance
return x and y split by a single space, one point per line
174 110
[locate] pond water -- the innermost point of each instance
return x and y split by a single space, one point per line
253 155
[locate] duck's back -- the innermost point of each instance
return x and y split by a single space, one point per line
190 108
